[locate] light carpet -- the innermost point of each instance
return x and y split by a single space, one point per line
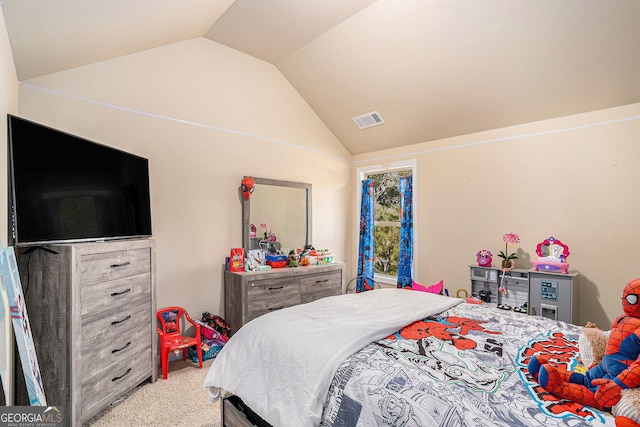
180 400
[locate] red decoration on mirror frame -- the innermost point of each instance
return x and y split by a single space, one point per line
247 186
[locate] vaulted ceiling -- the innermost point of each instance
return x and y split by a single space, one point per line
431 68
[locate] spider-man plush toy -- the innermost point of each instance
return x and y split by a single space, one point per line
601 385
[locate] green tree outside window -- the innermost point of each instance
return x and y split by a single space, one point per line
386 214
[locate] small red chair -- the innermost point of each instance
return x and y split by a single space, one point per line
171 337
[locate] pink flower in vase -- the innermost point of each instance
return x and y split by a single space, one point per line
509 238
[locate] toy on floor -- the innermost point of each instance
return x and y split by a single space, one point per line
604 383
214 331
468 298
217 323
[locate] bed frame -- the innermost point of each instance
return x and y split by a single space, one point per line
235 413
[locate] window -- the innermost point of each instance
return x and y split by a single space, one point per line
386 212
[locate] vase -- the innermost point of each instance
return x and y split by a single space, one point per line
507 264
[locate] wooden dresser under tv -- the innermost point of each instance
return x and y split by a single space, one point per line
92 312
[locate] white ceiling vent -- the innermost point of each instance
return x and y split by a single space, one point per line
367 120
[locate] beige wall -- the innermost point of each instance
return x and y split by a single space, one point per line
574 178
204 115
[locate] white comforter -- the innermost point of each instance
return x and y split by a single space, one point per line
281 364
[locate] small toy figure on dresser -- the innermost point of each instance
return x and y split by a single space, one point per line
294 258
484 258
304 257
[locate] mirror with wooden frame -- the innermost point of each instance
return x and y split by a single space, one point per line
279 209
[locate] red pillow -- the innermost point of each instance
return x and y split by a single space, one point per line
433 289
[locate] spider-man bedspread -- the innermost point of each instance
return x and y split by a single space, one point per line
328 362
465 367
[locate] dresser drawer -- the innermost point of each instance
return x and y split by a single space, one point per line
316 286
122 376
265 296
327 280
268 289
102 356
267 305
108 295
109 324
107 266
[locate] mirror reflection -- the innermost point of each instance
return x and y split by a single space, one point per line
552 251
277 215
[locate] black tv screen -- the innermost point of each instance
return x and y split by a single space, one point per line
63 188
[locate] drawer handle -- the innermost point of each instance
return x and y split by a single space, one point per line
275 288
322 281
121 376
122 264
276 308
121 348
115 322
114 294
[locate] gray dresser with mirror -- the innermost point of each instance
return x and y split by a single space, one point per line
281 209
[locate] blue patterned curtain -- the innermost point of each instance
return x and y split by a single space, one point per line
406 232
365 248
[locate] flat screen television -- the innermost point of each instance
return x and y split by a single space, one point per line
63 188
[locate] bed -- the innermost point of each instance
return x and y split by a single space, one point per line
398 358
